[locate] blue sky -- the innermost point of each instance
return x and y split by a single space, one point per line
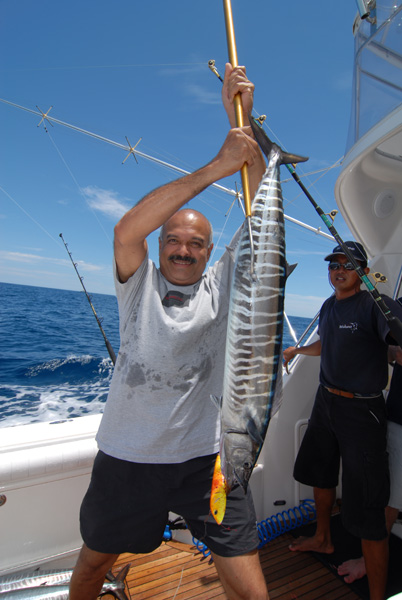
140 69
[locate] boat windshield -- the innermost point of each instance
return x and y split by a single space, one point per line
377 86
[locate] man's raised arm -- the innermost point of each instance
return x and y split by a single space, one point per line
158 206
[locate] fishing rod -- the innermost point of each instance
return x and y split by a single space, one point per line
394 323
107 343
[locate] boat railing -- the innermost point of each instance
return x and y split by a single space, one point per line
397 290
377 69
306 334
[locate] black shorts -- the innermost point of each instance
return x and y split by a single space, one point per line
126 507
354 430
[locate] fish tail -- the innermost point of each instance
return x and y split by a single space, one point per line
266 145
118 592
218 493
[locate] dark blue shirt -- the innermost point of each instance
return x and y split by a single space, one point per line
354 344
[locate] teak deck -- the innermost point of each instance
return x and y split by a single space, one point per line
176 571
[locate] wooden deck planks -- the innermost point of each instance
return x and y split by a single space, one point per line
176 571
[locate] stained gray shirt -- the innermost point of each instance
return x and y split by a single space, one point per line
171 359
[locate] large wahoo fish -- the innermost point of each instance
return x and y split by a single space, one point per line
254 333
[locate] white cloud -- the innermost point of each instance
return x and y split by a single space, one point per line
202 96
307 252
106 201
35 259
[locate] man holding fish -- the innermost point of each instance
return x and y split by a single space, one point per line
159 434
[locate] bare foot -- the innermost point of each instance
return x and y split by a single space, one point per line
311 544
352 569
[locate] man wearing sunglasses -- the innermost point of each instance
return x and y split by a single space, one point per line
348 420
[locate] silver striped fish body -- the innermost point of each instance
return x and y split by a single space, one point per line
59 592
254 335
29 579
42 592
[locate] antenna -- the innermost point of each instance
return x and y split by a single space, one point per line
44 117
132 148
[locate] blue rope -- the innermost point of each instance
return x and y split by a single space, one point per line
274 526
201 547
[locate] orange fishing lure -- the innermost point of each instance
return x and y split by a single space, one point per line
218 493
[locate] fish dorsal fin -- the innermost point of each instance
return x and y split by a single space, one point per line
266 145
290 269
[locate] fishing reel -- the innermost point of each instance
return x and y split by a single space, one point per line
332 214
378 278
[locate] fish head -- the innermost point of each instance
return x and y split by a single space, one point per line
238 457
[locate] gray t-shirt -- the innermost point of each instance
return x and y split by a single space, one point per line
171 359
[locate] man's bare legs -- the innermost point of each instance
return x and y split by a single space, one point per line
242 576
89 574
321 540
355 568
375 554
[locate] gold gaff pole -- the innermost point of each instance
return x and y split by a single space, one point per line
231 41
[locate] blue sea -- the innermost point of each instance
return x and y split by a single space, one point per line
54 363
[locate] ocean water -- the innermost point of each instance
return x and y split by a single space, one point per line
54 363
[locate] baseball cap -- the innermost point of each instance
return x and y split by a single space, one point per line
356 249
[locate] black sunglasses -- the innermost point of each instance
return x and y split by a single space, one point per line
334 266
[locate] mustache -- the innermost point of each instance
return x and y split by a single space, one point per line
187 259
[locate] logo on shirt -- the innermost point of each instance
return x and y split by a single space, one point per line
175 298
352 326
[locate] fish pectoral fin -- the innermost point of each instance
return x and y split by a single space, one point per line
241 480
216 401
230 251
253 432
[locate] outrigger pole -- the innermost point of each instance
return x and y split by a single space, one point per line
107 343
231 41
